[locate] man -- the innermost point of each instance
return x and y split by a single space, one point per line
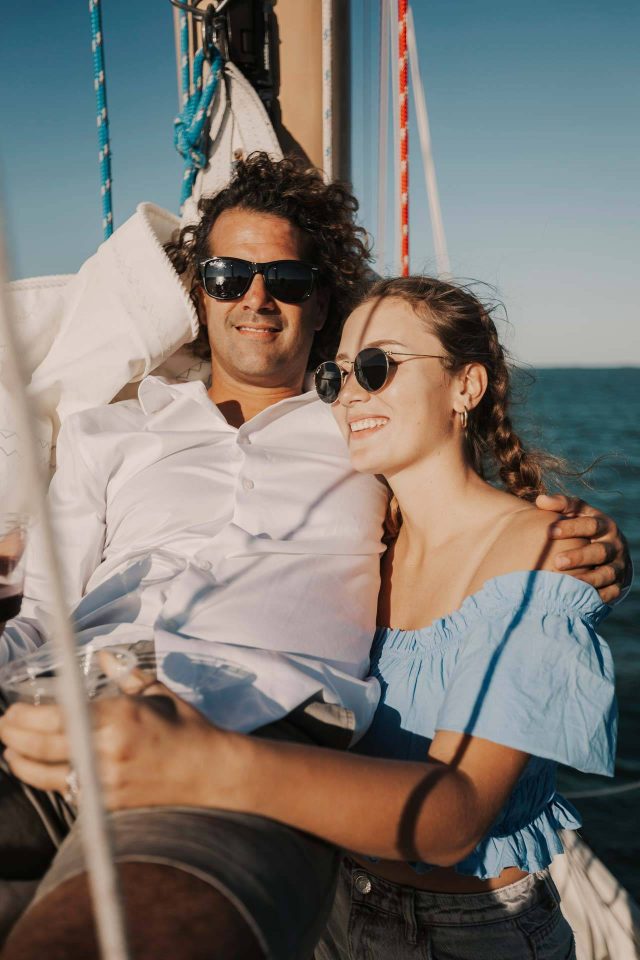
229 523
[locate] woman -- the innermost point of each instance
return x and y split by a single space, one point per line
490 668
462 690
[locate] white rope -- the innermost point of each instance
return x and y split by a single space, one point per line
383 136
102 874
327 89
605 792
437 226
395 77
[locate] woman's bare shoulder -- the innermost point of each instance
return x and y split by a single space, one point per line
525 544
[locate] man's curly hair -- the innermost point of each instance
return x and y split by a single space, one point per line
323 212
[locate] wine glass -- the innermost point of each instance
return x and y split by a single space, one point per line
13 538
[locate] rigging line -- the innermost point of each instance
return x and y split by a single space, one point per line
605 792
327 89
190 127
103 879
383 136
437 226
395 81
403 109
185 79
104 152
177 37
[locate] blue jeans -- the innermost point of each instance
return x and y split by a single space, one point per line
373 919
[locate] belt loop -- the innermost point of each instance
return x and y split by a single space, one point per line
409 914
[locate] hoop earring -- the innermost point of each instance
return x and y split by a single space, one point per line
464 418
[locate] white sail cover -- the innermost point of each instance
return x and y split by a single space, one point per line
239 125
87 335
604 917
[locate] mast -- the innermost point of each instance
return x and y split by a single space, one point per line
300 93
294 50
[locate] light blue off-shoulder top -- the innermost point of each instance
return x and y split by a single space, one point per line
520 664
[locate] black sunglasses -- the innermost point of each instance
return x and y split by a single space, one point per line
227 278
371 367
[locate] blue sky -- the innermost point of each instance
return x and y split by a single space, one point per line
533 111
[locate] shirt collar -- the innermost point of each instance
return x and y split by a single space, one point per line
156 393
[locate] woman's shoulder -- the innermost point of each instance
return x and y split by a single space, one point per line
521 564
524 543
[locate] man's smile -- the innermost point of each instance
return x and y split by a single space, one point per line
258 331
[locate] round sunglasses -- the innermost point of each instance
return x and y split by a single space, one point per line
371 366
228 278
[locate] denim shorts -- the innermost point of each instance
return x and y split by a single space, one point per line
280 881
373 919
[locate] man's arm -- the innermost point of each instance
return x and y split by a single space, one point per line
606 555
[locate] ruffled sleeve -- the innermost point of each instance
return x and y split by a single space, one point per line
533 674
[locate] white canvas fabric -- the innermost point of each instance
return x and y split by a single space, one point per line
239 125
603 916
85 336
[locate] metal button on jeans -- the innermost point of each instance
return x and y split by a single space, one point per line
247 484
363 884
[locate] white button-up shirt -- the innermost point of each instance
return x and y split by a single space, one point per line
260 543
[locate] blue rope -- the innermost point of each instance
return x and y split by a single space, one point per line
189 127
104 153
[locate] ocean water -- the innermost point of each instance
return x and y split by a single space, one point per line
582 415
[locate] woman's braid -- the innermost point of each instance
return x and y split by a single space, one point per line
520 472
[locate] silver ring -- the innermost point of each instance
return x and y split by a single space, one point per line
70 795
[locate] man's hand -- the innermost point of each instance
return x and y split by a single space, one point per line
147 754
606 557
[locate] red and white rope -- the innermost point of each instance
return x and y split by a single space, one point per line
383 137
403 99
395 81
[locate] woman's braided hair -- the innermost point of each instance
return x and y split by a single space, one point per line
323 212
468 334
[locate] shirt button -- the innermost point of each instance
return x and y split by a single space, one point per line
363 884
247 484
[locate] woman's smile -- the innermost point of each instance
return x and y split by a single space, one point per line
360 427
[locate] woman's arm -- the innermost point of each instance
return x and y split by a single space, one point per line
435 812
